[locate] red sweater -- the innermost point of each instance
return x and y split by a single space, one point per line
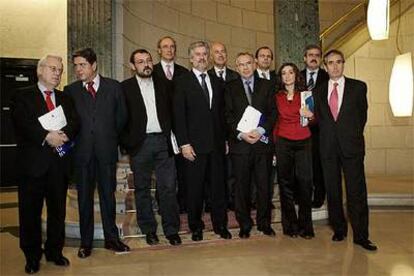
288 123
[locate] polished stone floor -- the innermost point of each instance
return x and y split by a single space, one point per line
392 230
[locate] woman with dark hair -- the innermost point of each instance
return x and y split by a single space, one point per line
294 154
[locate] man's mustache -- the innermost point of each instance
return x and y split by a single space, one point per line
314 60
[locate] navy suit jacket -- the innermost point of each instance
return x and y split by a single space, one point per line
101 120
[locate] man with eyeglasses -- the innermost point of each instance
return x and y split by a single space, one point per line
251 152
147 141
43 173
341 109
101 107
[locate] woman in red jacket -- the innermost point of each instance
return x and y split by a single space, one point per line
294 154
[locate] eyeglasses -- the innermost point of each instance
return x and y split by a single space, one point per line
54 69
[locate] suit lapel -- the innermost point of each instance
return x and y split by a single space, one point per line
199 89
345 98
243 96
40 101
324 100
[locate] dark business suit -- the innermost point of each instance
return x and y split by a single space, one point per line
343 148
318 183
230 74
204 129
96 153
149 151
43 174
251 161
179 159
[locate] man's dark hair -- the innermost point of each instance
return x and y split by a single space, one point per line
87 53
310 47
333 52
138 51
256 55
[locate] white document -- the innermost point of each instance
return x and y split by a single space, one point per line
53 120
174 144
250 119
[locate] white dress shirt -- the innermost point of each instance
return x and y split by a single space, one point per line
43 88
148 94
164 67
217 70
261 72
96 83
308 75
210 89
340 88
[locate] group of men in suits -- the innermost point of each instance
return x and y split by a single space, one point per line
165 105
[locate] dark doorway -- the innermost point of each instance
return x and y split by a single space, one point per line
15 73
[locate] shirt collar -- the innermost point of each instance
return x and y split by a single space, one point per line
260 71
164 63
251 79
340 81
217 70
43 88
96 81
308 71
197 72
143 81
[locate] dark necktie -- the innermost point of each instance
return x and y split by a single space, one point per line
49 103
311 82
264 75
221 74
249 91
91 90
204 86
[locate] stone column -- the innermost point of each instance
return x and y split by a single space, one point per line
296 25
90 25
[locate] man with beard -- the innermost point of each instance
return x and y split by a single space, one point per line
314 77
147 140
199 122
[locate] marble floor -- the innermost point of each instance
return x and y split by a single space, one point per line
391 230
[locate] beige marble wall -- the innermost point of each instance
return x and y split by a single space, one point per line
31 29
331 10
389 140
242 25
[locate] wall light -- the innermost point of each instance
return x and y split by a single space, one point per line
378 19
401 93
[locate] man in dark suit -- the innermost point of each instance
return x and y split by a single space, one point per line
199 122
44 174
315 77
101 107
224 74
251 152
341 109
168 70
219 60
148 143
264 59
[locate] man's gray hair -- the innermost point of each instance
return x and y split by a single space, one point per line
43 60
197 44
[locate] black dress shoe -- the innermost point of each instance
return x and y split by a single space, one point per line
59 260
84 252
338 237
292 234
244 234
32 266
224 233
116 246
268 231
307 235
174 239
197 235
317 204
367 244
152 238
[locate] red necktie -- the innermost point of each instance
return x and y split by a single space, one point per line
49 103
333 101
91 90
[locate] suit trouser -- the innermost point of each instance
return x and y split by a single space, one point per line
32 191
153 155
247 167
356 194
319 192
181 187
295 163
104 176
206 169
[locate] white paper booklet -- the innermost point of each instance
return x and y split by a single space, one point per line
250 119
53 120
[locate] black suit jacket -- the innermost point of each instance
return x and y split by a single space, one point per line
101 119
347 133
195 123
236 103
134 133
230 74
274 79
320 78
27 105
178 70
